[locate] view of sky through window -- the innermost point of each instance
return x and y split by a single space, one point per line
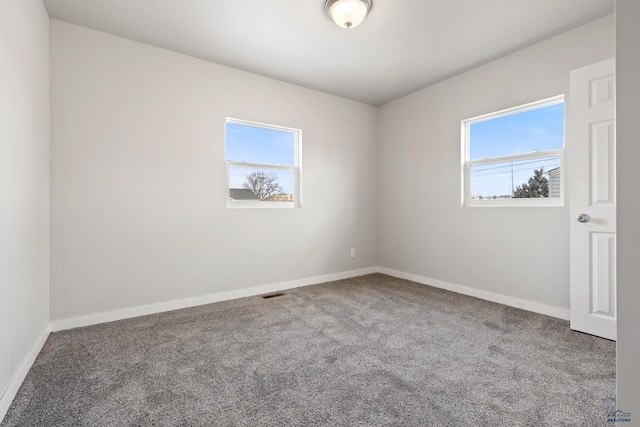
539 129
254 144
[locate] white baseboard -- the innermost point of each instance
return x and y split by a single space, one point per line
110 316
478 293
20 375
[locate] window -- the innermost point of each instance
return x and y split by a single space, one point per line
263 165
514 157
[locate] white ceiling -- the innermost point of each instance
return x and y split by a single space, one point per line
402 46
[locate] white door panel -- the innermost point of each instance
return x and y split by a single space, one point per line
591 149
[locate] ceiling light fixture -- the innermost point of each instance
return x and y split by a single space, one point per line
348 13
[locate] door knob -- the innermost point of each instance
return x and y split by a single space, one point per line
583 218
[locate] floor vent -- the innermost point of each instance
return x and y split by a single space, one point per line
279 294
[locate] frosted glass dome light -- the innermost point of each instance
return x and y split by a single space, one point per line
348 13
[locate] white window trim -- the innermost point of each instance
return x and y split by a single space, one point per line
467 163
297 160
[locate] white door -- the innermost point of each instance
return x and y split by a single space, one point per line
591 174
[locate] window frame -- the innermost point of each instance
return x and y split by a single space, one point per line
297 160
467 163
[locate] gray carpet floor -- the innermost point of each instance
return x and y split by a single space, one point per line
368 351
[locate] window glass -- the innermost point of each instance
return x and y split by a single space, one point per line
538 129
515 154
253 144
262 165
528 178
264 184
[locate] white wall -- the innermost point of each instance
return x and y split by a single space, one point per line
138 178
628 139
24 182
423 230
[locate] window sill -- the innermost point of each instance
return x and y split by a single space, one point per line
515 203
261 205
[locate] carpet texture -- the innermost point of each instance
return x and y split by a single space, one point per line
368 351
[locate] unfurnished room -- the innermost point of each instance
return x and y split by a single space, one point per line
319 212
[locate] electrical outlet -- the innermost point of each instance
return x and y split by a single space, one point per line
353 253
